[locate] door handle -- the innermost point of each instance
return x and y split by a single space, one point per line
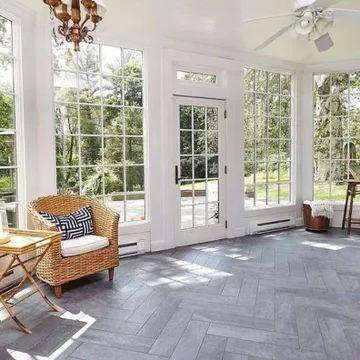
177 178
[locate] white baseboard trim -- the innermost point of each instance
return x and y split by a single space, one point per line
238 232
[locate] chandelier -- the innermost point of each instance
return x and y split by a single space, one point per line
75 16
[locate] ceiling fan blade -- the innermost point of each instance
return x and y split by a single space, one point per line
345 14
324 43
267 17
274 37
323 4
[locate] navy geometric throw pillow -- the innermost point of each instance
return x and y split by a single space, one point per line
74 225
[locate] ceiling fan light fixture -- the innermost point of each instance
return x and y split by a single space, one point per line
323 25
305 24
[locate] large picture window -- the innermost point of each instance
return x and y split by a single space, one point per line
8 128
99 126
268 123
336 133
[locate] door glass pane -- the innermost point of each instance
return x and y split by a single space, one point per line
199 165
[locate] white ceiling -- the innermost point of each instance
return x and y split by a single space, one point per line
218 23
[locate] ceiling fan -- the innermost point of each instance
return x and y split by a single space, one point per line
311 19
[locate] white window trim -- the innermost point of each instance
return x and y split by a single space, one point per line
138 223
293 134
197 70
19 117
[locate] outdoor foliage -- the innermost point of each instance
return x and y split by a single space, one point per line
8 164
267 137
336 132
99 125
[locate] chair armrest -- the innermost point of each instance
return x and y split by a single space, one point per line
106 222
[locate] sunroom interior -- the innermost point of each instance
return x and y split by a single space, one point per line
197 133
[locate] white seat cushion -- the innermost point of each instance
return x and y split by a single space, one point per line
83 245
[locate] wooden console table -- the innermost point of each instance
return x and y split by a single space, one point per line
351 192
22 243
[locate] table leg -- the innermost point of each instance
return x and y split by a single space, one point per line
29 275
346 206
24 328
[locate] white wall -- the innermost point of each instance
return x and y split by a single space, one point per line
160 59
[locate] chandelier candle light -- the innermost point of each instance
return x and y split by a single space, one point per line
73 27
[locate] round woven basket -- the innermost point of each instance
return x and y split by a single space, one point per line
318 223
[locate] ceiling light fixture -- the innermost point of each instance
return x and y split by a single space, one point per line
73 27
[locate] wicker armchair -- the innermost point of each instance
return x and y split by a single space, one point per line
56 270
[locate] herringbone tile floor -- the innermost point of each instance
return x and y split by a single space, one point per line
289 295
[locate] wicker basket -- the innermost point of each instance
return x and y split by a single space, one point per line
318 223
56 270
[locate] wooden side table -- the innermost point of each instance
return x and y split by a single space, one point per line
351 193
25 242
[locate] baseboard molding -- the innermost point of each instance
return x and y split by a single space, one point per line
234 233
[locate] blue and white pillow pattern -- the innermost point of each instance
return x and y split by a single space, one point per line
74 225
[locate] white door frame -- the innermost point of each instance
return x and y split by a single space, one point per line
208 232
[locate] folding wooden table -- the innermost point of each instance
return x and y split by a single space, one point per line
25 250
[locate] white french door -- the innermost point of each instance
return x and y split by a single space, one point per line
199 170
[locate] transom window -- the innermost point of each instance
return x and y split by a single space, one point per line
99 126
8 132
336 133
198 77
268 122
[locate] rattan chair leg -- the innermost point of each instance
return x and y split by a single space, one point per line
111 274
58 291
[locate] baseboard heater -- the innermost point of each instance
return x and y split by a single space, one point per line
270 226
132 249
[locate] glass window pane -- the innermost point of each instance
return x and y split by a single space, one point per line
67 151
7 150
89 89
134 150
200 192
186 142
64 58
186 193
112 90
68 180
213 213
133 92
91 180
65 86
186 167
199 142
66 119
6 73
284 193
113 150
200 215
273 194
8 185
185 117
213 190
111 60
113 120
134 121
135 207
200 167
7 111
213 166
212 118
89 58
134 178
114 180
90 120
186 217
132 63
199 118
90 148
249 79
117 204
212 142
6 35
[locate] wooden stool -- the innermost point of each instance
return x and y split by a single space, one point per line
351 193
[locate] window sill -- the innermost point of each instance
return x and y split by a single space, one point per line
270 207
134 227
